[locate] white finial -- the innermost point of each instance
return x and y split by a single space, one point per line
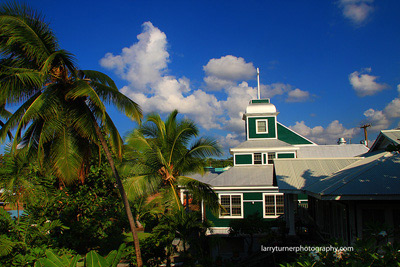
258 83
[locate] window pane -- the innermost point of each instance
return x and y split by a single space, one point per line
271 157
236 200
279 205
270 210
269 200
232 205
261 126
226 205
257 158
279 200
236 211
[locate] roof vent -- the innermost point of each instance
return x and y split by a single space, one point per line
341 141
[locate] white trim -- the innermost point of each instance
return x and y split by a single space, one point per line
263 200
241 188
269 149
241 205
266 158
266 126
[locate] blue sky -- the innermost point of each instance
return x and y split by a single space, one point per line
328 66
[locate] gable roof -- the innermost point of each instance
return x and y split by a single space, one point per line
385 138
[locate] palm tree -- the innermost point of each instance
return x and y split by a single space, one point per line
62 109
164 153
188 227
17 180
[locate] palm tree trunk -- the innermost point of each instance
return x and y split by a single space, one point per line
123 196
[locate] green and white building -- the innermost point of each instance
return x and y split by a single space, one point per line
250 185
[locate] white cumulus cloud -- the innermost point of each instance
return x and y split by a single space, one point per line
365 84
357 11
328 135
144 62
222 72
298 95
144 65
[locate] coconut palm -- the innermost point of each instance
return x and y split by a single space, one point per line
62 117
164 153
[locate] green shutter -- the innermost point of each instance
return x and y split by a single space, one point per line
244 159
286 156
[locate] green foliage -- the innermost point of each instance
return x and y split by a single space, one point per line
92 211
163 153
153 250
23 241
92 259
220 163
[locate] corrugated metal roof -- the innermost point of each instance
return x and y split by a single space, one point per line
394 135
244 176
265 143
331 151
375 176
206 178
385 138
296 174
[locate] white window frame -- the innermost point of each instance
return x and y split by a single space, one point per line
266 126
272 194
241 205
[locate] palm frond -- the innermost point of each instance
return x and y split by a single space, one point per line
110 95
200 190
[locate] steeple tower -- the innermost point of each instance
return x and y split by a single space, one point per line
260 118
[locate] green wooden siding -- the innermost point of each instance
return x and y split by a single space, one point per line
248 207
302 197
252 196
286 155
264 158
291 137
252 127
244 159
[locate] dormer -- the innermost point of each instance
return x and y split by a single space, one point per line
260 118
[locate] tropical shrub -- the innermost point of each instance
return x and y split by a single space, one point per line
92 212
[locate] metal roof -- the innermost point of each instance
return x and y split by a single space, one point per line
393 135
240 177
293 175
375 177
206 178
385 138
331 151
264 143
